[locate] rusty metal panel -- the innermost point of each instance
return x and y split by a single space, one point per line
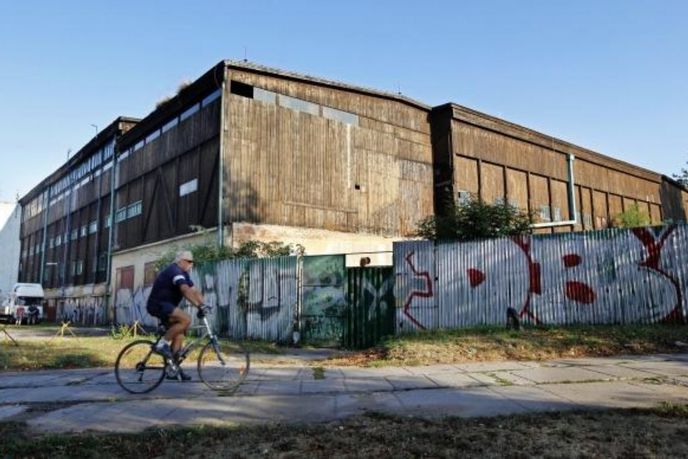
414 271
620 276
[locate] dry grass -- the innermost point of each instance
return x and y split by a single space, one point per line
657 432
489 344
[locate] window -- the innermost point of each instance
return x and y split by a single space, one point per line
121 215
139 145
134 209
298 105
102 262
262 95
170 124
188 187
93 227
241 89
75 234
51 242
107 222
341 116
463 197
189 112
211 97
79 267
153 135
58 240
544 213
84 230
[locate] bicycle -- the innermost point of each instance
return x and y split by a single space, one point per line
140 369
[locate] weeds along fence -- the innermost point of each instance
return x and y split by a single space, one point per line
616 276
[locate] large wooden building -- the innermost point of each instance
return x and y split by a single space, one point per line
247 152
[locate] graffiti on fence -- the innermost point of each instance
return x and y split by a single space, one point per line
324 298
248 298
611 276
88 310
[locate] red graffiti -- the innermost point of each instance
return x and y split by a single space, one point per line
580 292
475 277
523 242
654 249
417 293
571 260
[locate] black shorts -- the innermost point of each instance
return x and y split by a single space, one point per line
161 310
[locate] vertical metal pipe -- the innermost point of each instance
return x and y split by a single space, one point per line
221 166
46 210
108 269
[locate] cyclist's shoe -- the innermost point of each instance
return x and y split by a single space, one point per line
181 376
165 350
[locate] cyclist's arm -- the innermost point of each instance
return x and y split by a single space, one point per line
192 294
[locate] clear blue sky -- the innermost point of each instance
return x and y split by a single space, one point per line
607 75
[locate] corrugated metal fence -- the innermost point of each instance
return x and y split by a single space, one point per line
603 277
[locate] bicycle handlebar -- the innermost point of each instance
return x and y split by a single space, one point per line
203 311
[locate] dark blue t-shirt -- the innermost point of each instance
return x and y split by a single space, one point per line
166 286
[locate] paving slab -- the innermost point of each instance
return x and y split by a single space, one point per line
549 375
504 378
534 398
617 395
8 411
433 369
279 388
447 379
354 372
481 367
356 404
672 368
479 401
620 371
322 386
411 382
367 385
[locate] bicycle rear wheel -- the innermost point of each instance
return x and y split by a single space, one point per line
223 366
138 369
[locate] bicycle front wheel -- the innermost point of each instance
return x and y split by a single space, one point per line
138 369
223 366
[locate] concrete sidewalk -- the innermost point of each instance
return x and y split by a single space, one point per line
79 400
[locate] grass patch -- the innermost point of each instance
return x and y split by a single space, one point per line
318 373
536 343
85 352
656 432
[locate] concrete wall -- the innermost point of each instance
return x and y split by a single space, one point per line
10 222
321 242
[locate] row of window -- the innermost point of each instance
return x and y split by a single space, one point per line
172 123
292 103
130 211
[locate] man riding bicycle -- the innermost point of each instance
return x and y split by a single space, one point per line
171 285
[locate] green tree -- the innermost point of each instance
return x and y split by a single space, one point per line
474 219
631 218
682 177
211 251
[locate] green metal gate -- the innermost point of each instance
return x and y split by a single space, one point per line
323 316
371 312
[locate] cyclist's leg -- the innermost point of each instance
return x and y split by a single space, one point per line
179 322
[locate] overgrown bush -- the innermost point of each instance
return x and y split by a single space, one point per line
474 219
211 251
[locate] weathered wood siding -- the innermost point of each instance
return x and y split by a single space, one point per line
154 173
299 168
486 150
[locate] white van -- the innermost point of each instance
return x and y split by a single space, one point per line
25 299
